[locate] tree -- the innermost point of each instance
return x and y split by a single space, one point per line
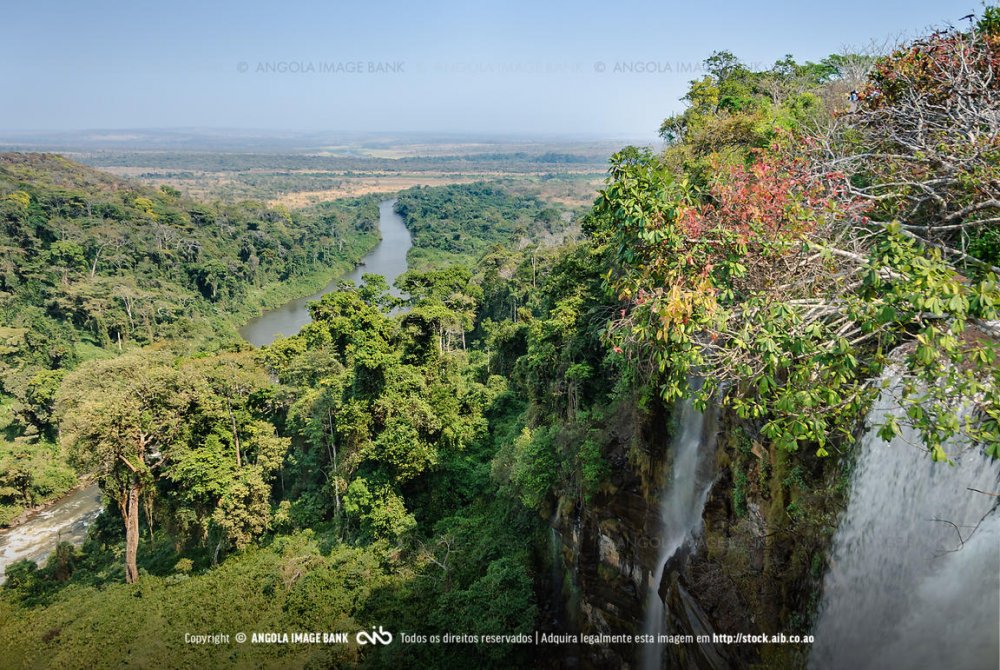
374 290
232 378
121 417
444 301
34 391
217 481
790 277
923 148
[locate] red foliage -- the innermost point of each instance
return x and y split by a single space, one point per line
774 197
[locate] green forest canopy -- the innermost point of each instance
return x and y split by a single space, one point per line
392 468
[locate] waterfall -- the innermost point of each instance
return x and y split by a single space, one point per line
914 575
556 572
681 504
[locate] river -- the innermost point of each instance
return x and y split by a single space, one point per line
387 259
65 520
68 518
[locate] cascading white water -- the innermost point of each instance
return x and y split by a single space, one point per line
65 520
556 571
681 505
914 575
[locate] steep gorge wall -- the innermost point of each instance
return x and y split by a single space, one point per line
605 543
756 567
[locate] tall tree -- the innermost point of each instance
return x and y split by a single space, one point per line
120 417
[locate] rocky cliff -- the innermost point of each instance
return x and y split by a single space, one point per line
755 567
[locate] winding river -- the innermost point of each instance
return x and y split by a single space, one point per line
387 259
68 518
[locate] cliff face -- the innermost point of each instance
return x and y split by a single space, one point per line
607 544
756 566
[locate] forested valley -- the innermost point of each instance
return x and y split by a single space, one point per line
94 267
813 236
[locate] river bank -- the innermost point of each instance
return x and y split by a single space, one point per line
387 258
27 514
274 296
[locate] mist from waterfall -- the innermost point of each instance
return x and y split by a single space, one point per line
914 574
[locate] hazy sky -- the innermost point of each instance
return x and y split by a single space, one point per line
482 67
